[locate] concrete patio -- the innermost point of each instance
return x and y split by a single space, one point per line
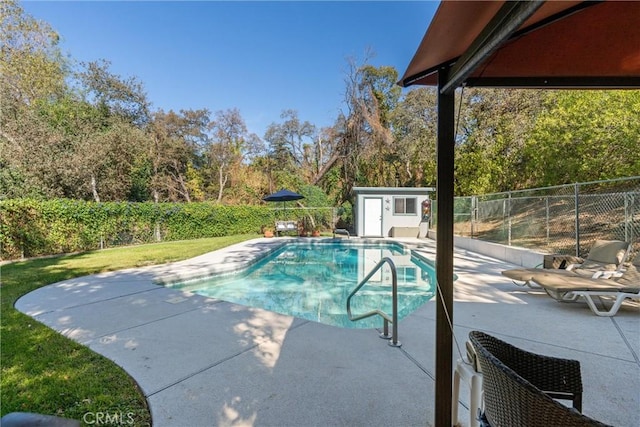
205 362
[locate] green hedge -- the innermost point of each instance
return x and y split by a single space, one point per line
32 228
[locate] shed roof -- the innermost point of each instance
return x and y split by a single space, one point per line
393 190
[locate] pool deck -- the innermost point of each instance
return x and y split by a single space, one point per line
205 362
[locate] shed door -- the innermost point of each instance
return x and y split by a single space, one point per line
373 217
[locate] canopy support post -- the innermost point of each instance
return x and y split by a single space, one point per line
444 254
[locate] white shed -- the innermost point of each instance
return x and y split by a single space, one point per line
392 211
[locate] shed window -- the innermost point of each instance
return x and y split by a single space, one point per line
404 206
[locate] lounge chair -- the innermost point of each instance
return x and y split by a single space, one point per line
606 256
519 387
568 288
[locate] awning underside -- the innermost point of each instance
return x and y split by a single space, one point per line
595 44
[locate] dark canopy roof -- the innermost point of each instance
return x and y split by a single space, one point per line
563 44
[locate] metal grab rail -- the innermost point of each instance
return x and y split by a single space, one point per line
341 231
394 317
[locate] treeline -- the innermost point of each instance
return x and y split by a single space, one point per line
79 131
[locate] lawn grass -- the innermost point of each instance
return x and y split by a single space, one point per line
46 373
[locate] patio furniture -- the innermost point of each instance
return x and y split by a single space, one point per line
605 256
519 387
568 289
468 370
30 419
560 261
404 231
284 196
286 226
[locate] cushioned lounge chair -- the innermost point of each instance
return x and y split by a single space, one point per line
568 288
606 256
520 387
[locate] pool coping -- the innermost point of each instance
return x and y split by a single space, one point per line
200 266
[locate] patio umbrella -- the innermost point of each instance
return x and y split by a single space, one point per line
283 196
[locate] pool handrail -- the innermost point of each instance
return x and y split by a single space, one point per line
394 316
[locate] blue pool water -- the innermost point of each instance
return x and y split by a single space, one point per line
313 280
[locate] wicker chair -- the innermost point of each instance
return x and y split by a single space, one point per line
513 384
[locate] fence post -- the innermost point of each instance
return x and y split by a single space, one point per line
334 218
509 218
546 209
577 209
628 217
156 232
474 213
632 226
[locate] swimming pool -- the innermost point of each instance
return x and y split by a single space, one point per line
312 280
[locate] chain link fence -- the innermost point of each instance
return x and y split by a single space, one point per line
563 219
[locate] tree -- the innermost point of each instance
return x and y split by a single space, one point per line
32 71
324 154
229 143
414 123
585 136
113 94
289 147
58 141
174 146
81 153
73 152
101 123
29 153
492 131
31 62
370 97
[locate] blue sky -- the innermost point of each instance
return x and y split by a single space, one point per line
260 57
